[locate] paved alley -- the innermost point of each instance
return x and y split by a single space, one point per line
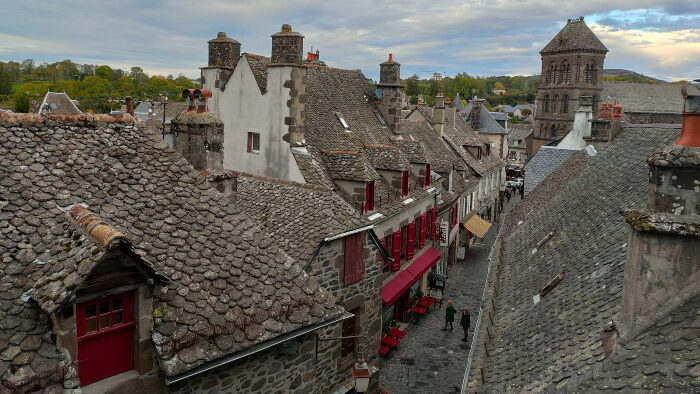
440 357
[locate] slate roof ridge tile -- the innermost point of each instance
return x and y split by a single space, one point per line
280 181
99 230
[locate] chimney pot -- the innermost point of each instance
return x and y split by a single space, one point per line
129 105
391 57
690 129
286 28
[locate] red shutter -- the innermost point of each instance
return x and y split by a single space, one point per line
369 196
427 175
432 224
354 267
410 240
250 142
396 243
423 230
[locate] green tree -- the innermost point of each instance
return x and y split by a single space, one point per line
105 72
5 81
411 86
21 97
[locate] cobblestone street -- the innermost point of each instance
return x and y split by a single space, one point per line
440 357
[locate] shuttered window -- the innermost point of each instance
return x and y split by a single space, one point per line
354 265
404 184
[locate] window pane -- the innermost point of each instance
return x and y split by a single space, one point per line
117 318
91 311
117 304
90 325
104 307
104 321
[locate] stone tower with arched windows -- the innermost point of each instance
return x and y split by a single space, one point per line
572 66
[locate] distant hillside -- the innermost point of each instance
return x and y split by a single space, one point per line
618 74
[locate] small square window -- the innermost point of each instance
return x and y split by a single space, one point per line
253 142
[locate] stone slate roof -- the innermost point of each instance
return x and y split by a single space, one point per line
413 149
499 115
546 160
487 124
298 216
258 64
519 132
58 103
219 265
575 36
172 109
352 166
387 157
644 97
556 344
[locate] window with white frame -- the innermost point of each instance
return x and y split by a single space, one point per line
253 142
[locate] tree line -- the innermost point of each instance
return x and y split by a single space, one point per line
518 89
98 88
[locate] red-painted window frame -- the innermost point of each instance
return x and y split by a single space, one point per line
369 196
249 148
410 240
396 244
422 232
432 223
126 311
354 264
404 184
426 181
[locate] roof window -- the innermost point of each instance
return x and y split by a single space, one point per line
343 122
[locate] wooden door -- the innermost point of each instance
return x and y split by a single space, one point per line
105 337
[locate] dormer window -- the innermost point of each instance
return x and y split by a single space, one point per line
404 184
380 118
426 181
343 122
369 196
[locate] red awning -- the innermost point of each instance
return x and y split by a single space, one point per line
406 278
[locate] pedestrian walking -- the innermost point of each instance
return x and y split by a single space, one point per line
465 322
508 195
449 315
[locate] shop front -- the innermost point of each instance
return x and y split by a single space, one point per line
398 293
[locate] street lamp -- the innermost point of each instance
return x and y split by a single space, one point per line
361 375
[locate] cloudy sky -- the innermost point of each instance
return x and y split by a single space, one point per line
481 37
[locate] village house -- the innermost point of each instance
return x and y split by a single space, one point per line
55 103
518 136
126 270
303 122
611 297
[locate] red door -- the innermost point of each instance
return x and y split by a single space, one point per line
105 337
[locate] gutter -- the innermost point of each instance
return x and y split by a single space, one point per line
351 232
254 349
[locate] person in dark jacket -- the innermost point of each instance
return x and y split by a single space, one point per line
464 321
449 315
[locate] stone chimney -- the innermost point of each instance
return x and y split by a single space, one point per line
223 51
287 47
199 134
662 269
391 88
476 113
287 51
583 116
439 114
129 105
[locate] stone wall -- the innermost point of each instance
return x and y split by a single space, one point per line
390 105
329 268
270 371
647 118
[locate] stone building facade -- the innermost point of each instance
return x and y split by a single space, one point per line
572 66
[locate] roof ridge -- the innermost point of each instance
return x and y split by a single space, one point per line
280 181
95 226
331 68
253 55
340 152
83 119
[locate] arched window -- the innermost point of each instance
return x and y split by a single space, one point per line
556 72
592 71
551 74
554 103
546 103
565 104
565 72
554 131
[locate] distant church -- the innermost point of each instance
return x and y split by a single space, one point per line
572 66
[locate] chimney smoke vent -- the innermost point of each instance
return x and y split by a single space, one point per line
690 130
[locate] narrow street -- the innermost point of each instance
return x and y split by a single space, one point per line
440 357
